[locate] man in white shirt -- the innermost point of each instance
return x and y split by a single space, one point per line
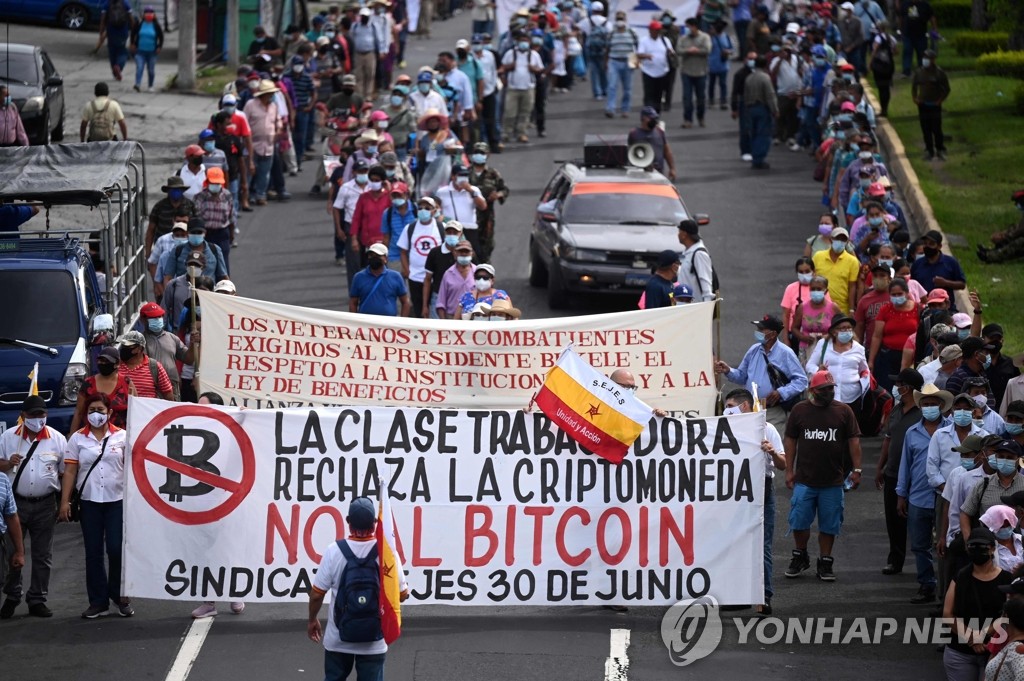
786 71
489 101
653 51
460 201
695 268
194 171
425 97
345 206
519 69
415 243
32 456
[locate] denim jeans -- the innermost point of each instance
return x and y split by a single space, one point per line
619 75
744 129
723 87
102 526
693 85
222 238
598 78
760 121
920 521
117 47
303 119
145 60
741 36
769 535
337 666
261 178
233 188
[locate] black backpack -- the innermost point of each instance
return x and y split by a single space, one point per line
118 15
357 606
714 272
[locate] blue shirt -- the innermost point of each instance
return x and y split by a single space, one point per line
741 11
147 37
717 62
13 216
7 506
393 223
172 263
913 481
378 294
923 272
753 369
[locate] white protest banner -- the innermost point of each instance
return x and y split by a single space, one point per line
492 508
642 12
261 354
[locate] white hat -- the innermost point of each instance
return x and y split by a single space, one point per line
596 7
478 309
792 27
848 6
462 44
365 12
379 249
486 268
225 286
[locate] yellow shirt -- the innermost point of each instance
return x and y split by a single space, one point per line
840 274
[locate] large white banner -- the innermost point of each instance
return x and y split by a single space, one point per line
261 354
492 508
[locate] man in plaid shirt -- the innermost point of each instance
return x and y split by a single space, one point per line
216 207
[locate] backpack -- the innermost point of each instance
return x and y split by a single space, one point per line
101 128
714 272
597 42
118 14
357 606
875 405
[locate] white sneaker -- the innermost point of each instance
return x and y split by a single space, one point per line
747 157
793 146
207 609
151 89
237 608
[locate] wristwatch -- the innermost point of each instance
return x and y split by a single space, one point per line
857 471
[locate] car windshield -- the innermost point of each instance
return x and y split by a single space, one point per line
18 68
637 205
45 309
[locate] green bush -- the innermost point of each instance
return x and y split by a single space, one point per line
1018 98
975 43
1002 64
953 13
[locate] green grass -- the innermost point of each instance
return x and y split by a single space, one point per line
948 58
970 192
212 80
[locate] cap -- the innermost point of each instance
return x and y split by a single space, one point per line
400 188
982 535
876 189
228 99
362 514
689 226
792 27
196 257
841 319
462 44
884 269
151 311
109 353
464 245
975 382
433 204
179 227
682 291
360 164
950 353
667 257
348 79
839 232
225 286
1015 499
822 378
848 106
1017 585
33 403
938 295
649 112
196 226
973 344
323 40
992 330
819 51
972 444
1016 408
368 135
654 26
908 376
379 249
459 169
215 176
848 6
1011 446
867 156
769 322
365 12
486 267
933 235
596 7
962 320
964 397
482 147
132 338
483 309
206 134
424 77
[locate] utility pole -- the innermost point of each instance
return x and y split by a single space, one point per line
186 80
234 40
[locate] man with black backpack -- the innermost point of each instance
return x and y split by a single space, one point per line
696 271
116 24
350 570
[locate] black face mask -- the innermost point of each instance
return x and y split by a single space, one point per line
651 125
462 54
376 264
126 352
979 555
364 20
824 396
348 90
930 252
105 368
997 347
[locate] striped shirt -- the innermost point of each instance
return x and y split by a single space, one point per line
302 89
142 377
621 44
217 211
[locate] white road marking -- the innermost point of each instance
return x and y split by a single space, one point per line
191 644
616 667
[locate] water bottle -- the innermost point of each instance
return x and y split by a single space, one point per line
848 483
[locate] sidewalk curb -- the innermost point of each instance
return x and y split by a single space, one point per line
902 172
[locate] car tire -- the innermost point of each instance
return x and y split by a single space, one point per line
73 16
558 295
538 271
58 132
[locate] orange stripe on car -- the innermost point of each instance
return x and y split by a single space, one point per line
665 190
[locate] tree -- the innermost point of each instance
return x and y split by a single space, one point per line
186 78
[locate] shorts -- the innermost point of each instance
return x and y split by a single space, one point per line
825 502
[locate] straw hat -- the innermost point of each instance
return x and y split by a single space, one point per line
266 87
929 390
505 306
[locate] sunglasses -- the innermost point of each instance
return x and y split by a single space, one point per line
480 277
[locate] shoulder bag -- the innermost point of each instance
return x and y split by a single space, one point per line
76 494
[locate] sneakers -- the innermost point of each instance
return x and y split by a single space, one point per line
891 569
124 608
793 146
942 154
801 561
923 595
237 608
747 157
95 611
207 609
7 609
825 572
39 610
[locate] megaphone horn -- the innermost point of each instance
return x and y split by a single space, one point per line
640 154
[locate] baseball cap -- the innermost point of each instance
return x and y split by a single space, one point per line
400 188
973 344
132 338
179 227
1016 408
193 150
848 6
769 322
937 295
1011 446
667 257
452 224
225 286
848 106
933 235
682 291
596 7
649 112
486 268
982 535
433 204
962 320
1015 499
654 26
227 100
464 245
424 77
819 51
379 249
195 257
462 44
1017 585
109 353
151 310
908 376
362 514
348 79
365 12
33 403
972 444
215 176
990 330
822 378
839 232
196 226
876 189
950 353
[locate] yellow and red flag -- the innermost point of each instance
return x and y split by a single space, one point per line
391 571
591 408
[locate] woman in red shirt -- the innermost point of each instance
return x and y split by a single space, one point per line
107 382
896 320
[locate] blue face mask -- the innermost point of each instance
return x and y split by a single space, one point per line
931 413
196 239
1002 466
176 194
1014 428
1004 533
968 464
398 203
451 240
464 260
397 100
988 361
840 134
963 333
155 325
390 172
820 61
209 146
424 215
759 336
371 150
362 178
854 147
817 296
877 222
845 336
885 263
962 417
865 182
478 159
838 246
215 189
898 300
424 88
229 110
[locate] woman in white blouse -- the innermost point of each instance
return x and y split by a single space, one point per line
94 465
844 358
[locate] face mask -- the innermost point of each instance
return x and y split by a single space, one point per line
962 333
865 182
898 300
194 271
462 54
478 159
375 186
451 240
348 90
1002 466
897 396
209 147
482 284
1014 428
997 347
988 361
126 352
424 88
371 150
196 239
824 396
389 172
376 263
155 325
845 336
776 48
215 189
759 336
176 194
931 413
105 368
180 240
229 110
1004 533
854 147
805 278
825 229
329 34
364 20
930 251
620 24
96 419
840 134
36 425
424 215
925 63
885 263
979 555
464 260
298 68
978 423
730 411
751 63
254 84
918 256
819 61
537 41
362 179
838 246
967 463
817 296
962 417
397 100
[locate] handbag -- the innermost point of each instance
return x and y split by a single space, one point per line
779 379
22 465
75 511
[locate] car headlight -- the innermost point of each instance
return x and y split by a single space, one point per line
33 104
587 255
72 383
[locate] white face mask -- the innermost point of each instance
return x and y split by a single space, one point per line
482 284
194 271
96 419
730 411
36 425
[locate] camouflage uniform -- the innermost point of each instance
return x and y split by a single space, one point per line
489 180
1009 245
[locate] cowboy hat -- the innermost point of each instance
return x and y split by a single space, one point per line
368 135
929 390
505 306
174 182
267 87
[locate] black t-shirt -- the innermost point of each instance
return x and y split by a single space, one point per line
916 17
822 437
977 600
232 148
269 44
658 293
437 264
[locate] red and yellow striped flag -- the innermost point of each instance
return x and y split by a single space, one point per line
591 408
391 571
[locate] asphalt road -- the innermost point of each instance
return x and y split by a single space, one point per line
758 223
